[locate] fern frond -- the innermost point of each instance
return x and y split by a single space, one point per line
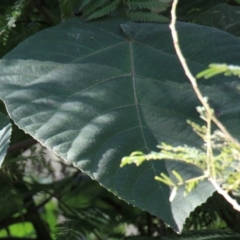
134 5
94 6
146 17
104 10
86 221
8 21
136 10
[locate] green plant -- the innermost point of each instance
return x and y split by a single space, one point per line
95 92
219 163
8 21
143 11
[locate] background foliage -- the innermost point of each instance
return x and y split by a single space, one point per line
46 200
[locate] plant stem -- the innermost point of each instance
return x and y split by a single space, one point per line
195 179
209 115
190 75
210 163
21 145
221 191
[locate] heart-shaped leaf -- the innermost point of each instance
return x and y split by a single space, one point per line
95 92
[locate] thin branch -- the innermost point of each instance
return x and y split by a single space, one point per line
193 81
190 75
221 191
210 115
21 145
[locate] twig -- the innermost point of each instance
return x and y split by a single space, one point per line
194 84
21 145
190 75
221 191
209 113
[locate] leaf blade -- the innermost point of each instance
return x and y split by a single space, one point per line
78 93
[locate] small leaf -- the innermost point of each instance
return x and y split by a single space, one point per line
138 160
178 176
165 179
190 186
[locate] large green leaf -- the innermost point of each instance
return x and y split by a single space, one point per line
222 16
95 92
